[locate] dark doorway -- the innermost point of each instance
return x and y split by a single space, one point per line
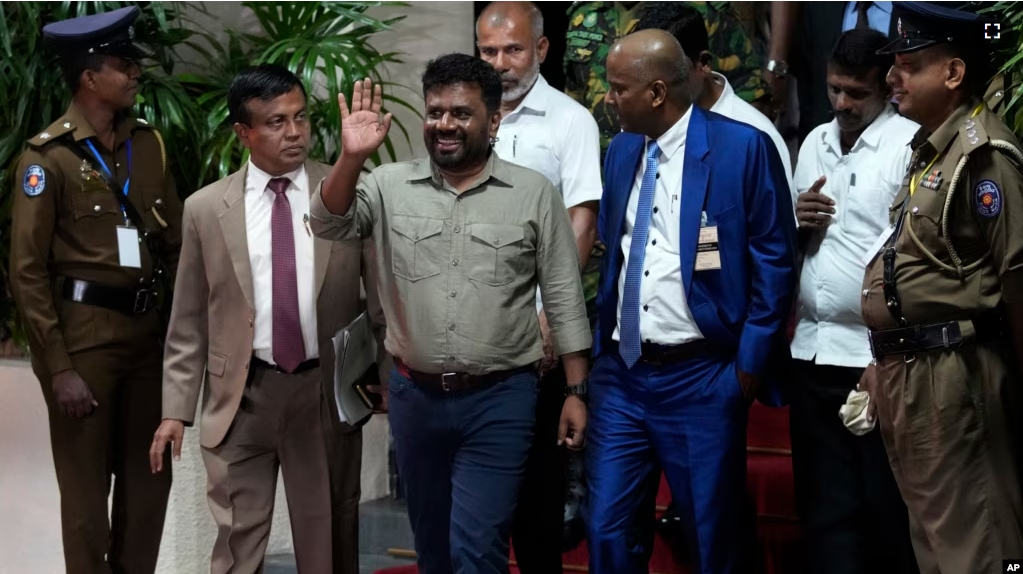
555 22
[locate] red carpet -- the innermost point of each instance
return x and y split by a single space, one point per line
769 482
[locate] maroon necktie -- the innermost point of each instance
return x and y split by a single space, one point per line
288 346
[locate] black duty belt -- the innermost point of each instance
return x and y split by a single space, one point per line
661 355
945 335
302 367
129 301
455 382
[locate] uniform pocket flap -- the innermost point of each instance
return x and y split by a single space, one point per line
497 235
416 228
216 365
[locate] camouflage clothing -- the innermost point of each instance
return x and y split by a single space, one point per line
594 26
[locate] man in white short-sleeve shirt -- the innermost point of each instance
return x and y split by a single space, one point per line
847 175
546 131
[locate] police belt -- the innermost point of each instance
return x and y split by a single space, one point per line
945 335
131 302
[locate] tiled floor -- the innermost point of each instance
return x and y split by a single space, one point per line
383 524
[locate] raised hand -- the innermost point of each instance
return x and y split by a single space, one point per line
362 129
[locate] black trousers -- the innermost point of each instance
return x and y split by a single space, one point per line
539 513
852 515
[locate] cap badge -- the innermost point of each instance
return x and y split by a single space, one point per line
898 26
131 33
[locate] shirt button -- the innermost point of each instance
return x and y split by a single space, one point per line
497 241
922 163
455 263
117 165
654 242
96 208
451 328
646 274
159 202
453 294
415 236
646 307
246 366
458 229
866 292
655 210
820 284
658 175
916 210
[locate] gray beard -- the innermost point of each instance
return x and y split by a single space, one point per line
524 85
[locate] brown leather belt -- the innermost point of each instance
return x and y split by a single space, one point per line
301 368
455 382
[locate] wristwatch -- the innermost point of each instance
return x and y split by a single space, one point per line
779 68
578 390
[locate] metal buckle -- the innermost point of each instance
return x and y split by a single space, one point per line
142 298
444 381
870 340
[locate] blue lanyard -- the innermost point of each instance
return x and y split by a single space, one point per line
106 170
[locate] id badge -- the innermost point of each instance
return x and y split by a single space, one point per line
708 256
128 247
877 246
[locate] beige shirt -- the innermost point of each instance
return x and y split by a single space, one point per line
458 272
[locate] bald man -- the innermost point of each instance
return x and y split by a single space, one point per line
694 295
546 131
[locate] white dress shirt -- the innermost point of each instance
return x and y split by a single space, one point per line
879 16
664 315
735 108
553 134
259 201
863 184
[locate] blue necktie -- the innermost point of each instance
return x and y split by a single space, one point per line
629 345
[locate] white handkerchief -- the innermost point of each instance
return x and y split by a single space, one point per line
854 413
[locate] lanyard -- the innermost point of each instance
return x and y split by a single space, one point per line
106 170
915 182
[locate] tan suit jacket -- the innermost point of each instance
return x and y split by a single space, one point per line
213 315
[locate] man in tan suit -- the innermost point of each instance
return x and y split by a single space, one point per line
256 303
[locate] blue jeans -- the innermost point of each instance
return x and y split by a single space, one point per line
461 458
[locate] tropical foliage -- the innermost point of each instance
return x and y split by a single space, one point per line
1010 17
325 43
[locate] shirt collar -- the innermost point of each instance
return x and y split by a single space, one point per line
870 137
943 136
258 179
727 93
536 99
83 129
424 168
673 139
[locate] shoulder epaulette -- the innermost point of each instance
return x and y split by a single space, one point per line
973 135
56 130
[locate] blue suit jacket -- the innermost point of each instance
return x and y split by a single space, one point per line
732 172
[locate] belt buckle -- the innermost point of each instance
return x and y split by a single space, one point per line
870 340
444 381
142 298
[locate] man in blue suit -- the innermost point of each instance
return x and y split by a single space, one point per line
694 296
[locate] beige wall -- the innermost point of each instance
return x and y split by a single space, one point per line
29 504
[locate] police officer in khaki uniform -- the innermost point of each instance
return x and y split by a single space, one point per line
943 297
96 218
